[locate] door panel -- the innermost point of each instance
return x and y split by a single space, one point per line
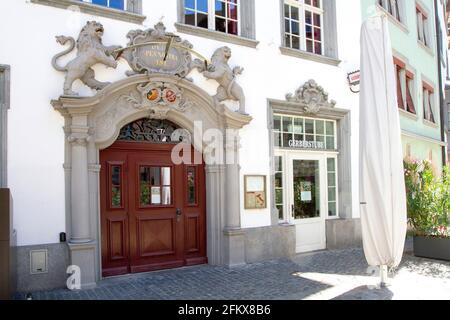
307 198
114 216
152 212
156 234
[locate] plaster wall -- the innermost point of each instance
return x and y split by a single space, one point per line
35 134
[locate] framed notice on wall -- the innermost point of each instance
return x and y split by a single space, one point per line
255 192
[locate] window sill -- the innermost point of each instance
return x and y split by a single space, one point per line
408 114
309 56
94 9
430 124
393 20
425 47
215 35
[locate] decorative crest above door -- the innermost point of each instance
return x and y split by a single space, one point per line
311 97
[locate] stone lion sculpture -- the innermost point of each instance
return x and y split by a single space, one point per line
220 71
90 52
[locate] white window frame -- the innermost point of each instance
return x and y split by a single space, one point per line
286 175
394 13
428 104
325 135
300 4
212 15
423 29
283 186
336 175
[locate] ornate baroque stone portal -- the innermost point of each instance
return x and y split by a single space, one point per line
156 88
94 123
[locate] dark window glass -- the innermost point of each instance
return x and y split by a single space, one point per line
191 192
116 186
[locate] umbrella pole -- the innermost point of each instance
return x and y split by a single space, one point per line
383 276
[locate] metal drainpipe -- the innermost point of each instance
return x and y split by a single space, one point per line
441 90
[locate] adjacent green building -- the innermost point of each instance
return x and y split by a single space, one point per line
416 51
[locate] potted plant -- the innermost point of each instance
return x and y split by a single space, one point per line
428 203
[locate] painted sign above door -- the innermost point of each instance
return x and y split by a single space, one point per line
155 50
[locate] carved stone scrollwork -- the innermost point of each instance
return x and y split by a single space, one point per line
311 97
159 98
79 140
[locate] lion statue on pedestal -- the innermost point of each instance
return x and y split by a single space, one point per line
220 71
90 52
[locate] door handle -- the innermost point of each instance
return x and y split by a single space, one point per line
178 213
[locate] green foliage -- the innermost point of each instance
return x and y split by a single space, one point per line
428 199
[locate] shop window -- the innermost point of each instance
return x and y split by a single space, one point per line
427 102
423 26
279 190
303 25
304 133
332 187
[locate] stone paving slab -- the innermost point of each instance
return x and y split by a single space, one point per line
320 275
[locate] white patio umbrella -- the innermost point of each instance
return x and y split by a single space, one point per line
382 184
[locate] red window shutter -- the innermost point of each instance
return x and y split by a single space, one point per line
409 101
399 91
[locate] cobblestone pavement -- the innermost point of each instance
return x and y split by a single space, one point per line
321 275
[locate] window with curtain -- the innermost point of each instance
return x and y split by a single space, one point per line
422 26
405 87
303 25
394 8
410 92
427 100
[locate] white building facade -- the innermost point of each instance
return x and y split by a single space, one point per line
85 167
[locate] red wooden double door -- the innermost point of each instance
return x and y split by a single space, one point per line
152 211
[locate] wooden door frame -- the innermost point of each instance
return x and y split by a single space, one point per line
127 148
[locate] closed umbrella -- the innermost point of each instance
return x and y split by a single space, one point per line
382 185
